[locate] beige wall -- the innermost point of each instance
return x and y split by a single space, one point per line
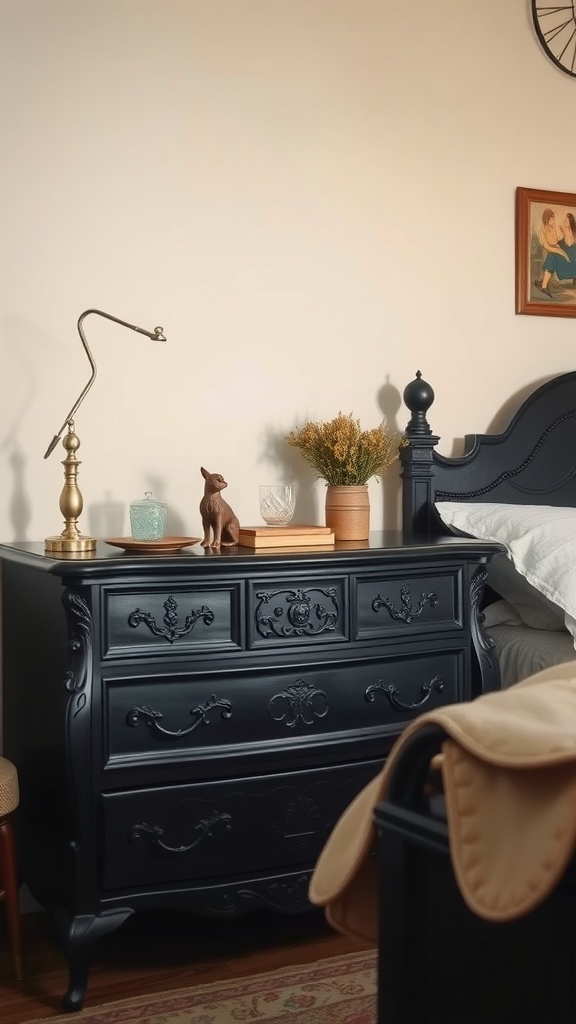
314 197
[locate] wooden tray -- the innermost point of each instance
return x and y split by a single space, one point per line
165 546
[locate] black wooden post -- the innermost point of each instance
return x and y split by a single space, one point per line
417 459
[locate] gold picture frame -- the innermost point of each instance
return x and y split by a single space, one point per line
545 252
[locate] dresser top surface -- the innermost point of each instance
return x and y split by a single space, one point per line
387 547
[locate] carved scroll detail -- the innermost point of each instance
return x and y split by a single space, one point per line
291 893
482 643
301 821
79 645
300 702
477 584
295 614
78 683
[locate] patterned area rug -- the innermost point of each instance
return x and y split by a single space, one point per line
341 990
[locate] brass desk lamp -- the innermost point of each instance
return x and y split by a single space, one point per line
71 541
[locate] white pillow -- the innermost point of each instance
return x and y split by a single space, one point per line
501 613
540 540
533 608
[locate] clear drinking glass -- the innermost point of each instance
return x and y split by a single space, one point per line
277 503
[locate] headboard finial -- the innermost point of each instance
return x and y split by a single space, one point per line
418 397
417 459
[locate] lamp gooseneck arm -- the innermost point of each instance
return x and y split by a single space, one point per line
156 335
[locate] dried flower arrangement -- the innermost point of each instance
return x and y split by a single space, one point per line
342 453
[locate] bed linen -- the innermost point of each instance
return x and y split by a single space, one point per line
522 651
540 541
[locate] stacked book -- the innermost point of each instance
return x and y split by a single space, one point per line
285 536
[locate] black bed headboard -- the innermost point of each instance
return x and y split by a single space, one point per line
533 462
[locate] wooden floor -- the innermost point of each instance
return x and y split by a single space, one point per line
155 953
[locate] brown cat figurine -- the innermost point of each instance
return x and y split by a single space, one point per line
217 516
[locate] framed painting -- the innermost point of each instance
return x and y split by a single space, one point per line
545 252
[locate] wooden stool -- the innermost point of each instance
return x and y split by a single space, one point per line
9 799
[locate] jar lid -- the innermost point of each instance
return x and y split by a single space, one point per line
149 501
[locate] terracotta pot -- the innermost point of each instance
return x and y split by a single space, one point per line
348 511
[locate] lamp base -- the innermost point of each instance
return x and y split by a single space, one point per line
69 545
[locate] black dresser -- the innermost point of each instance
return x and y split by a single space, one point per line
187 729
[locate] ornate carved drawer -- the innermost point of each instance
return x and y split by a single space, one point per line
161 621
172 833
289 611
409 602
219 716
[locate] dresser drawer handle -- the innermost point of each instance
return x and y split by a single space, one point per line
391 692
205 828
170 630
154 718
407 612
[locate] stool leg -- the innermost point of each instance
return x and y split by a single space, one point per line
10 884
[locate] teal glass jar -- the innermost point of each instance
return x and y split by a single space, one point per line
147 518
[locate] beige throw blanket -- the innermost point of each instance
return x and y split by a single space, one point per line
509 777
